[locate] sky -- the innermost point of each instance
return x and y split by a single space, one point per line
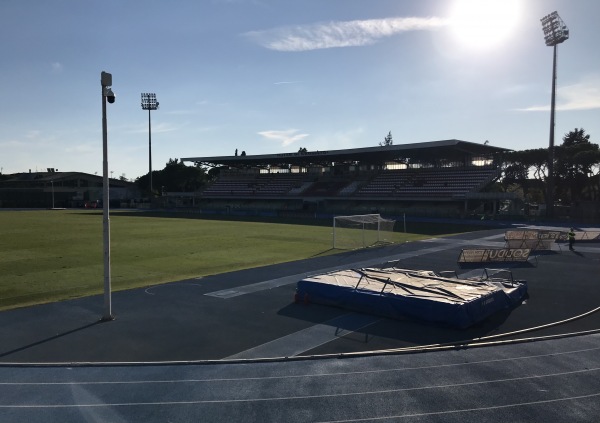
274 76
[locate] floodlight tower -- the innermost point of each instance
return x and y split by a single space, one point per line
149 103
555 32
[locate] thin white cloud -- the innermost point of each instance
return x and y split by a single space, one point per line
52 149
165 127
535 109
584 95
340 34
57 67
12 143
32 138
286 137
516 89
33 134
82 149
182 112
336 140
156 128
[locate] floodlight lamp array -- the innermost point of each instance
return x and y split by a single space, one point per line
149 101
555 30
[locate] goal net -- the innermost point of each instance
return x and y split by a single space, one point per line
361 231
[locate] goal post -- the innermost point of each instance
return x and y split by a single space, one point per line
361 231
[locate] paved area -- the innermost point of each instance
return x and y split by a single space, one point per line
225 339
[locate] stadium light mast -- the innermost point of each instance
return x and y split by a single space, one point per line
149 103
107 94
555 32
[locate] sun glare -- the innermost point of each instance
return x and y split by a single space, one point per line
483 24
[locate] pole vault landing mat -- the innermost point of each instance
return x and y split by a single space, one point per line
419 294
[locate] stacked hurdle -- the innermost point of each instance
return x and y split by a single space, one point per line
534 239
494 255
520 245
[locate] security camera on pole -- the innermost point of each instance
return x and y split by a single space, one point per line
107 94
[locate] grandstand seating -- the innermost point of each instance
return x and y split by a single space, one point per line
272 185
351 188
325 188
443 182
405 183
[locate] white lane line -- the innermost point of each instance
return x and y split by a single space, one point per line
316 396
553 354
287 280
465 410
309 338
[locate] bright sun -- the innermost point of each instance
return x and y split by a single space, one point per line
482 24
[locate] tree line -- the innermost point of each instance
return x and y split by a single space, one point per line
176 177
576 170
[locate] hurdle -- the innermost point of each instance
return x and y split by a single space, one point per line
533 239
494 255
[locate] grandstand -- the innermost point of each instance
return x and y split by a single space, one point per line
438 178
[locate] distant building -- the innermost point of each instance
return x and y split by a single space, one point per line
62 190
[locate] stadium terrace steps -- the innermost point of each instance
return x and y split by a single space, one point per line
413 183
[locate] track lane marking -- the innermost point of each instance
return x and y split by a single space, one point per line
302 397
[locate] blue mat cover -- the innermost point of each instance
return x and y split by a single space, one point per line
441 302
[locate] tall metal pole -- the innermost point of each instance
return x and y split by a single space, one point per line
150 147
149 103
106 80
555 32
550 185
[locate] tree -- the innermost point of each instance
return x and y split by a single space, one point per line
517 168
576 169
302 150
214 172
577 162
576 137
176 176
387 140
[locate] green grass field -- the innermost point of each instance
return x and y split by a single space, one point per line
53 255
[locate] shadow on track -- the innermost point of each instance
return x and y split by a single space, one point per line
52 338
402 332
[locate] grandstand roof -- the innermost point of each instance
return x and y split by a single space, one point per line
448 149
37 178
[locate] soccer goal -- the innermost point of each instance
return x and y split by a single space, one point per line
361 231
